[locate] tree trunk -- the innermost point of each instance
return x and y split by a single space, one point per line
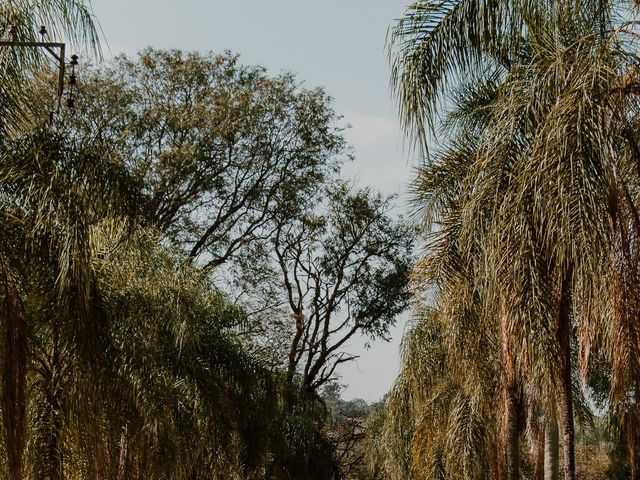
565 402
14 371
538 454
566 416
632 460
551 449
122 460
53 464
511 433
295 346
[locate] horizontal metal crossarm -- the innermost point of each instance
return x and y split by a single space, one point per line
50 47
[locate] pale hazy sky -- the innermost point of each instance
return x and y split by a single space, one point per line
335 44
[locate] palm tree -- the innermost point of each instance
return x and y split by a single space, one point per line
178 389
458 264
52 193
451 381
73 20
438 422
545 121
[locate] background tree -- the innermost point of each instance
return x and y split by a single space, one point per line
339 270
347 429
221 148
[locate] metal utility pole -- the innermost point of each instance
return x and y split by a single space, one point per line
57 51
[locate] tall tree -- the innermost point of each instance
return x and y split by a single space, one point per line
340 270
53 192
221 148
541 167
23 19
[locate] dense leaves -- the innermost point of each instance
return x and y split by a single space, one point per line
529 209
221 148
124 355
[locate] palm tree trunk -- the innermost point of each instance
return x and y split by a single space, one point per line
511 433
98 460
122 460
52 424
538 472
551 449
632 460
565 402
14 371
566 416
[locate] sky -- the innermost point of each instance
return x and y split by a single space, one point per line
335 44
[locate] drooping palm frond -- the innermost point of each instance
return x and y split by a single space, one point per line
436 44
437 423
52 192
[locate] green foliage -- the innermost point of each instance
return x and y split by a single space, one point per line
529 209
221 148
121 353
132 367
121 356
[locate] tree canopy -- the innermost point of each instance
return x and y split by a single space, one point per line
131 227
